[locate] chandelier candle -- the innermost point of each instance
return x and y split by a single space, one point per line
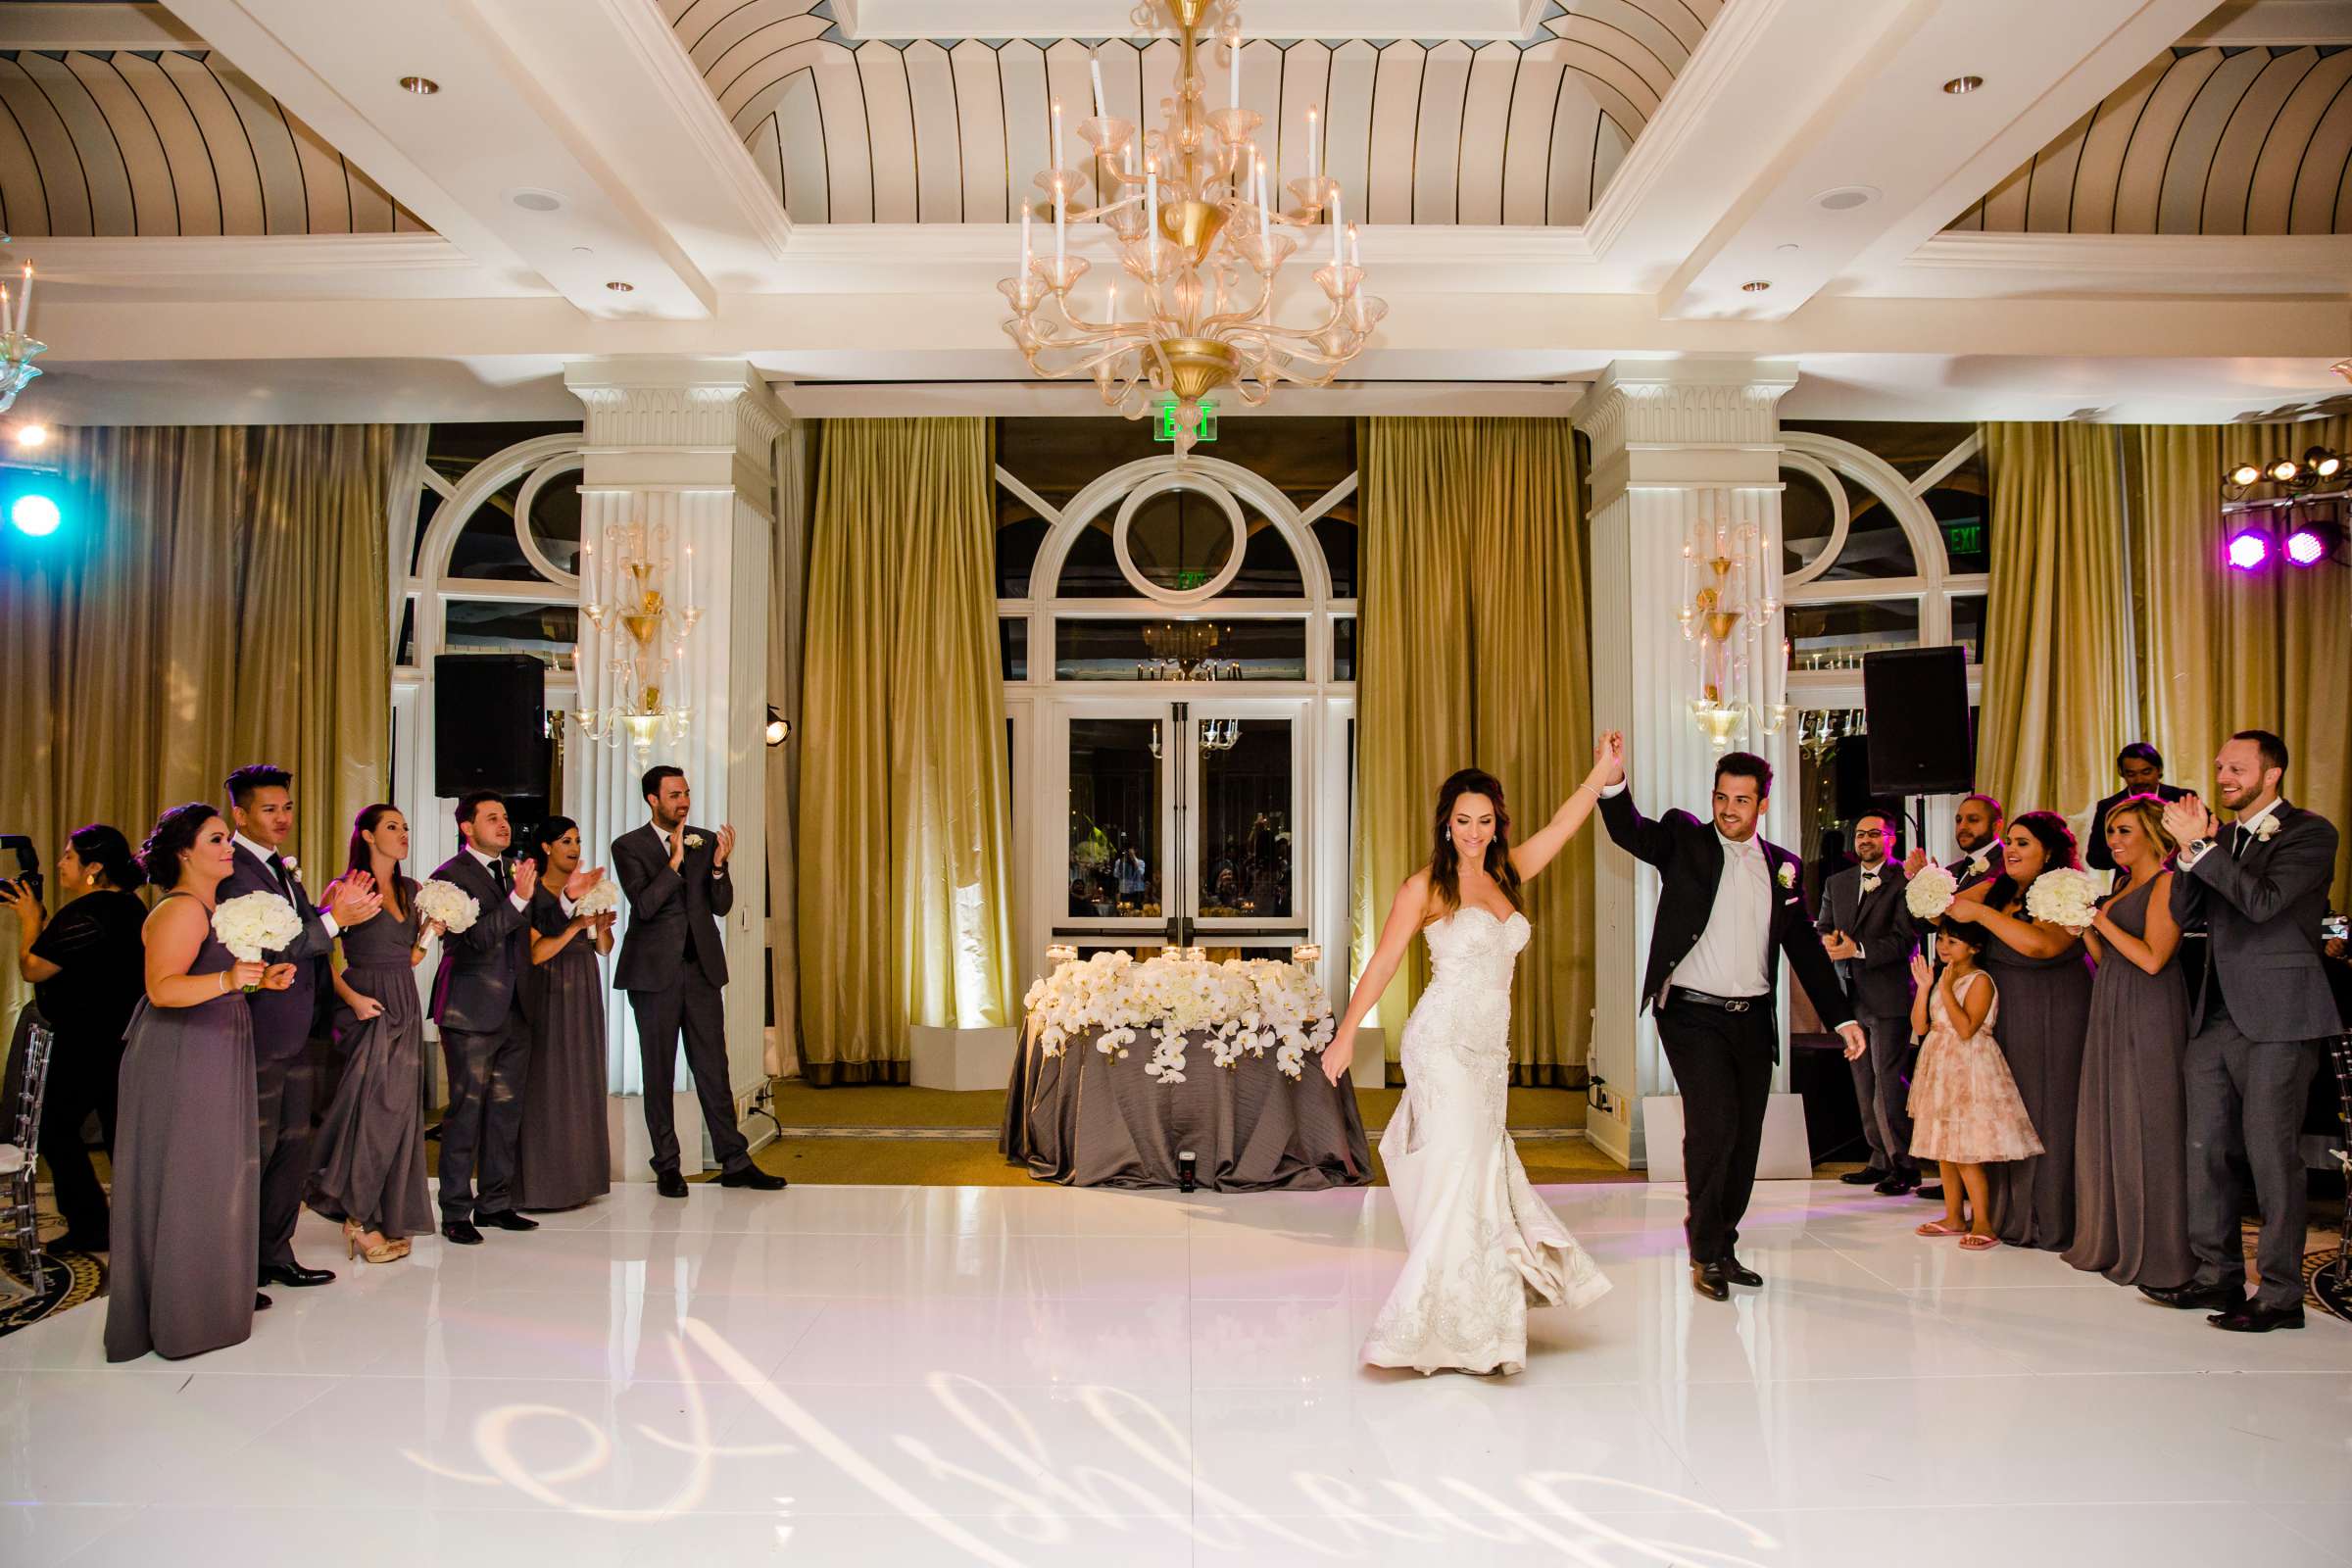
1211 318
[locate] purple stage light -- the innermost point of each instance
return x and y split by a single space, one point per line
2306 547
2249 549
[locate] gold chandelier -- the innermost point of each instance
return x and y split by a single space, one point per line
1726 614
628 593
1190 208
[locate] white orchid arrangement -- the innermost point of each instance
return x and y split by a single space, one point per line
601 899
1244 1007
2063 896
251 924
447 905
1931 893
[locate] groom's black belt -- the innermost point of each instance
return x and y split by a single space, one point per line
1707 999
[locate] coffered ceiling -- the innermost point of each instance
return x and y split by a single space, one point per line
2142 210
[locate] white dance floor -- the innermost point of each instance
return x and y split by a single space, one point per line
1036 1376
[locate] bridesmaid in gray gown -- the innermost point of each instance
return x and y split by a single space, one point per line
2131 1132
187 1153
565 1155
2044 977
371 1146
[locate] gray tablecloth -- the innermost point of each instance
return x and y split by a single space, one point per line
1085 1119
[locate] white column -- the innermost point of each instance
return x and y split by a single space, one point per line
685 447
1673 443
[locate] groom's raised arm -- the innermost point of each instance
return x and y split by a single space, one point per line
1634 833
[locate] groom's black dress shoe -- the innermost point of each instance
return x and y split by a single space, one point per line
1863 1177
1933 1192
2252 1319
461 1232
2224 1297
505 1219
261 1302
752 1177
669 1184
294 1276
1897 1184
1738 1273
1709 1281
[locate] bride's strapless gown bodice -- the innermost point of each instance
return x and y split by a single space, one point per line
1481 1247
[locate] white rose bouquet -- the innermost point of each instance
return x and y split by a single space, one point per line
448 906
601 899
2063 896
1931 893
251 924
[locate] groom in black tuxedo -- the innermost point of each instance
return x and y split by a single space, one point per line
285 1023
674 964
2260 888
485 1041
1730 905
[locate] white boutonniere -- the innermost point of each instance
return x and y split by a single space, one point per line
694 841
290 863
1788 875
1870 882
2265 830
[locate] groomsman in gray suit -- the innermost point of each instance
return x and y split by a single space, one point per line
2260 888
1867 929
674 964
285 1023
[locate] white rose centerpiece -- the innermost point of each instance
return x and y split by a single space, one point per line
2063 896
448 906
251 924
1246 1007
601 899
1931 893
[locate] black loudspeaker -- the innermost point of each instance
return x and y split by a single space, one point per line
489 725
1922 741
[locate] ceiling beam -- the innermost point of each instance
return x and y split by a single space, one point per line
59 28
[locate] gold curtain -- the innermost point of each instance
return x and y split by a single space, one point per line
1475 652
2057 655
2224 650
904 839
217 596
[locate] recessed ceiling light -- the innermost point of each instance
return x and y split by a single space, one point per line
1845 198
1754 285
1960 84
531 200
421 86
619 287
1787 250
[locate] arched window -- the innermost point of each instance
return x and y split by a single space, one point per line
489 569
1179 656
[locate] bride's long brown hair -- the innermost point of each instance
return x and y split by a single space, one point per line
1445 867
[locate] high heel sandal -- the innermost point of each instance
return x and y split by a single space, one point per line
383 1252
351 1239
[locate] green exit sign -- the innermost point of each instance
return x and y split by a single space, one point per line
1166 427
1964 538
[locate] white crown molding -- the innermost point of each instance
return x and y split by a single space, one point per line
2275 21
62 28
689 98
2185 258
1449 244
140 258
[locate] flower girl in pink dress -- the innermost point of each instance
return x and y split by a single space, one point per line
1965 1110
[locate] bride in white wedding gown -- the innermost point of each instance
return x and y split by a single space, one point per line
1481 1247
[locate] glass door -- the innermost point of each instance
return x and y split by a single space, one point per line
1246 894
1181 827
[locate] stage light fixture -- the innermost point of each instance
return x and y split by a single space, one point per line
2244 473
2248 550
2284 471
32 436
2305 547
35 515
2321 464
779 728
